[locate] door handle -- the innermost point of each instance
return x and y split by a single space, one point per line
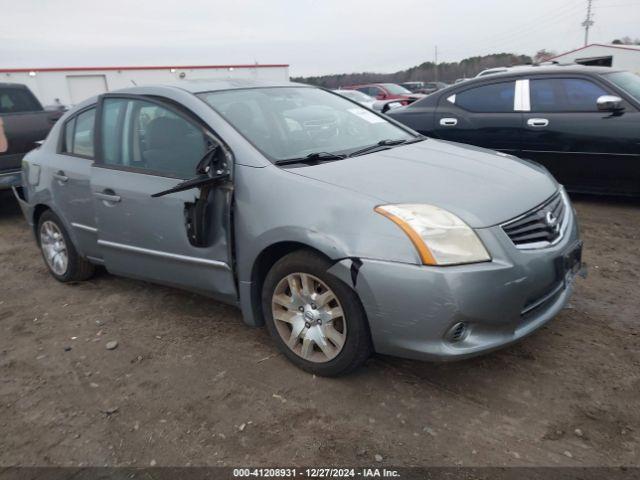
108 195
448 122
537 122
59 175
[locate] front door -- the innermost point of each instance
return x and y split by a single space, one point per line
585 149
485 116
147 147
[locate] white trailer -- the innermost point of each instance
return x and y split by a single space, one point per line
70 86
625 57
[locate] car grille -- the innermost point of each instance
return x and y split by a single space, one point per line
539 227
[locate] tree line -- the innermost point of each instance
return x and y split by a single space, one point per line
446 72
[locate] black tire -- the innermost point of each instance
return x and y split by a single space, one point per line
78 268
357 346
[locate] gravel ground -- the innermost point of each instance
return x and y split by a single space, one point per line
189 384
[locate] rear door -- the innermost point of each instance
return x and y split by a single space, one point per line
24 123
585 149
147 146
70 185
484 115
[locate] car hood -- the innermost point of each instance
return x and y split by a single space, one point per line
482 187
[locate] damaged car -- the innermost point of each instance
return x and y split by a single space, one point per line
341 230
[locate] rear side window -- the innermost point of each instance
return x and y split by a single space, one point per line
493 98
17 100
79 134
137 134
564 95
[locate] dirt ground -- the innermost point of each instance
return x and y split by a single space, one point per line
189 384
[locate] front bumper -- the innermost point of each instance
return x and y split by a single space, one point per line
412 309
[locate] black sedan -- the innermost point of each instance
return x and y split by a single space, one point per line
582 123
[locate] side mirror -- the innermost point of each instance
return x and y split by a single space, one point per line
609 103
391 106
381 96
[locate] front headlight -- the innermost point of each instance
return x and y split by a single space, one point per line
440 237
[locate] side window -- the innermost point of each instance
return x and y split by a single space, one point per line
564 95
83 133
492 98
17 100
79 134
151 137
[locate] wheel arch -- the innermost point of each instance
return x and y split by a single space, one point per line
38 210
261 266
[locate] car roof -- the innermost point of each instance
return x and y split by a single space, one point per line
370 85
194 87
12 85
526 70
198 86
545 69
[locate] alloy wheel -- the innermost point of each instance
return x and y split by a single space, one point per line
54 247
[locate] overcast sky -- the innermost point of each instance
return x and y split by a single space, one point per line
313 36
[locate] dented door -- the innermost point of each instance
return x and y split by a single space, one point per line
146 147
146 238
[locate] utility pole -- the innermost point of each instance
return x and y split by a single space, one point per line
436 64
587 23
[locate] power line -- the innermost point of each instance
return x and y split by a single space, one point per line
525 31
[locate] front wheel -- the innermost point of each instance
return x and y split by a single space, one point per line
316 319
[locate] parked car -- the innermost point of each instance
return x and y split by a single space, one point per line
582 123
387 91
430 87
23 122
357 96
370 102
423 87
414 87
341 230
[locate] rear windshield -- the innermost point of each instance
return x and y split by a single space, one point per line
627 81
16 100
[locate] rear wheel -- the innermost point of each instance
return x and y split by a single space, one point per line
316 320
58 252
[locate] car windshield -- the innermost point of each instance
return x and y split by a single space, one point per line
396 89
355 95
627 81
293 122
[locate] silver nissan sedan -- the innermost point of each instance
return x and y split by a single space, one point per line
340 229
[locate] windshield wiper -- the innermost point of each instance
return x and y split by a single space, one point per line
312 157
384 144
